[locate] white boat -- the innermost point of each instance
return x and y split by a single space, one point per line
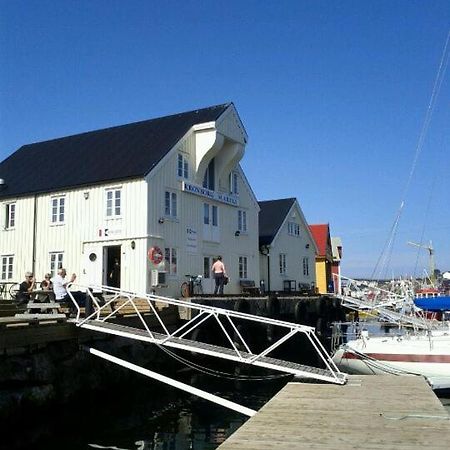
425 353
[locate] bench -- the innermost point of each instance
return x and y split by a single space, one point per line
248 287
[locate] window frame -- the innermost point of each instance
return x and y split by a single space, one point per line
171 261
58 210
170 204
116 203
234 187
282 263
56 263
305 266
242 221
10 216
6 267
243 267
182 166
294 229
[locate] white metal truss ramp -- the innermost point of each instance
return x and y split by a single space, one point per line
108 305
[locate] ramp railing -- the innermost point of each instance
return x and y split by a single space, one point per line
108 302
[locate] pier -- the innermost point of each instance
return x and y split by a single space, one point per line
370 412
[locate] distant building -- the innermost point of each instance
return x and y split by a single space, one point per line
153 200
287 247
336 249
324 257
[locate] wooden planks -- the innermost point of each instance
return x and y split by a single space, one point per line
370 412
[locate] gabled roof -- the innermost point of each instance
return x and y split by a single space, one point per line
321 234
271 217
117 153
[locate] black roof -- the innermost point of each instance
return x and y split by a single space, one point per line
271 217
117 153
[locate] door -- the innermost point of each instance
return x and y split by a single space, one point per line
113 265
208 280
93 265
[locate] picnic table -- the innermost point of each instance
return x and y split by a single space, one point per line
41 305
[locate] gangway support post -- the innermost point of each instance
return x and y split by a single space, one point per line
170 381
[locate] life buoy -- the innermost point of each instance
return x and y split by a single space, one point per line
155 255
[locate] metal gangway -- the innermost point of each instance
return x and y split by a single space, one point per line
393 307
107 303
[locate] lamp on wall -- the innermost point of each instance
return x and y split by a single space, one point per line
237 233
133 245
86 195
307 246
161 220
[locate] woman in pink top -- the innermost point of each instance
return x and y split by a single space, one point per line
219 272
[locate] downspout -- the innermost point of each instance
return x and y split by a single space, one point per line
33 264
268 272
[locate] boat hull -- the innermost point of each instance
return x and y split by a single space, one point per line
435 304
415 355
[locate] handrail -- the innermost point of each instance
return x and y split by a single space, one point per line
203 313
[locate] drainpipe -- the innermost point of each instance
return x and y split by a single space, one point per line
33 263
268 272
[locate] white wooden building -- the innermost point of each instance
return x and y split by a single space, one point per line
287 247
160 197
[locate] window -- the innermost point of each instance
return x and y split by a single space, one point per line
170 204
293 229
170 257
282 264
234 183
113 202
7 267
10 215
208 180
242 221
182 166
210 214
306 267
58 205
242 267
56 262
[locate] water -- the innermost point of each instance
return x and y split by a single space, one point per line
144 414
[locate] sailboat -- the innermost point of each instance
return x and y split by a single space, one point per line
419 345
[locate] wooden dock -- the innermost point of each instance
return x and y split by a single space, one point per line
370 412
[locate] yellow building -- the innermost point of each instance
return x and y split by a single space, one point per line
324 257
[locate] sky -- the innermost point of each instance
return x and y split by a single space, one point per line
334 96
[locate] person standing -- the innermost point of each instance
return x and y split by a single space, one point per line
60 290
219 273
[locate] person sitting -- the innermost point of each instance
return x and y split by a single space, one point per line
25 289
46 285
60 289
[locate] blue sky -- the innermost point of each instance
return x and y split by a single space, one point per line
333 95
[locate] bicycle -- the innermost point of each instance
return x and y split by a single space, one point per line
192 287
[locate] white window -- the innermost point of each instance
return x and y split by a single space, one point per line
210 215
209 178
242 221
293 229
10 215
58 209
113 202
282 264
170 257
306 267
242 267
56 262
7 262
170 204
182 166
234 183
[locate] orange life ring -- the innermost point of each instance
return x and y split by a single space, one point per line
155 255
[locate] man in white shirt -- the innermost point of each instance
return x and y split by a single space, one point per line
60 290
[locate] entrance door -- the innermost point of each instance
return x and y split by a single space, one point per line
93 265
208 280
113 264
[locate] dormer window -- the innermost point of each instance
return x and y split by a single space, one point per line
182 166
209 179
